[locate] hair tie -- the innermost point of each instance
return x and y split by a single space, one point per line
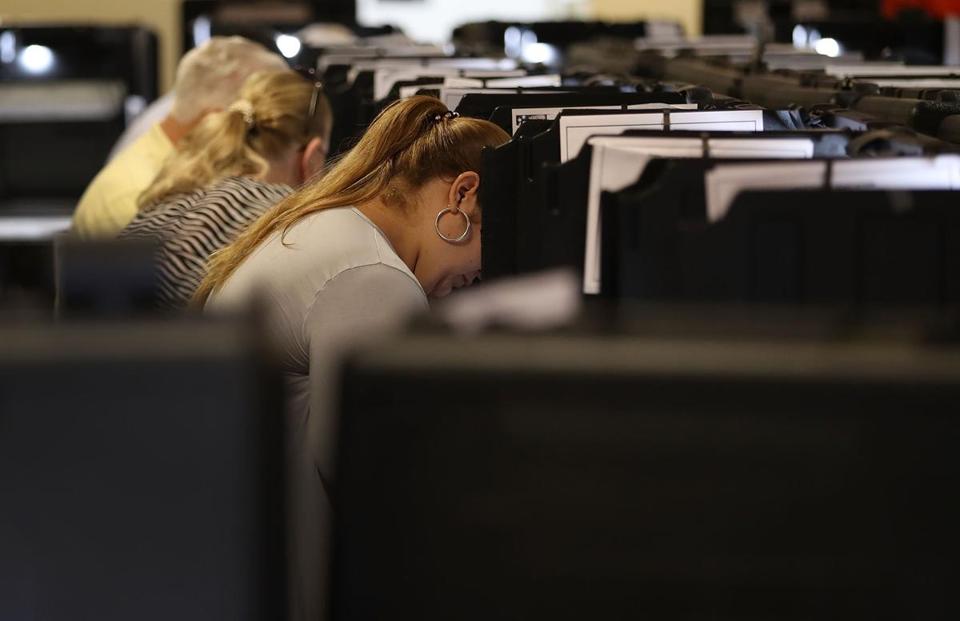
440 116
245 108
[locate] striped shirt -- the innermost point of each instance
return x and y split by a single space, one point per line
190 227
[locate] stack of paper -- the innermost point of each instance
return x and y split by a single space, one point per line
726 181
617 162
575 130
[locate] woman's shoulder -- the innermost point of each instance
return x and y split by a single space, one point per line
322 246
243 192
343 235
237 200
160 215
330 248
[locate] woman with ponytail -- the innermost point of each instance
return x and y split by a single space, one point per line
350 256
394 222
229 171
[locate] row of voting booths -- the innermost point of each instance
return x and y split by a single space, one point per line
712 198
700 177
710 373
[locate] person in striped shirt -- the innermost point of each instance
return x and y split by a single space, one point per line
228 172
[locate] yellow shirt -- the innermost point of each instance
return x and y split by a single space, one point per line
110 201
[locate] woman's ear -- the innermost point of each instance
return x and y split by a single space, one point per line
313 158
464 191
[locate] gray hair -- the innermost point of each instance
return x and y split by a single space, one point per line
209 77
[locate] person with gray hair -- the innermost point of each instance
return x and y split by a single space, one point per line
208 79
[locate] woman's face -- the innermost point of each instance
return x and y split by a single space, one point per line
451 212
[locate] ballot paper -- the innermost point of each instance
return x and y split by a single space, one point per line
384 78
725 182
576 129
519 115
618 161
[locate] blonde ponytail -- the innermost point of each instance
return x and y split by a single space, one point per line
269 117
411 142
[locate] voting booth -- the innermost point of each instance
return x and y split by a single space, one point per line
67 94
710 371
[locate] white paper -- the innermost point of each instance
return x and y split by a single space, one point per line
725 182
373 64
618 161
540 301
372 49
718 120
520 115
663 31
345 57
451 97
328 35
530 81
385 77
459 82
662 106
575 130
410 91
371 56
